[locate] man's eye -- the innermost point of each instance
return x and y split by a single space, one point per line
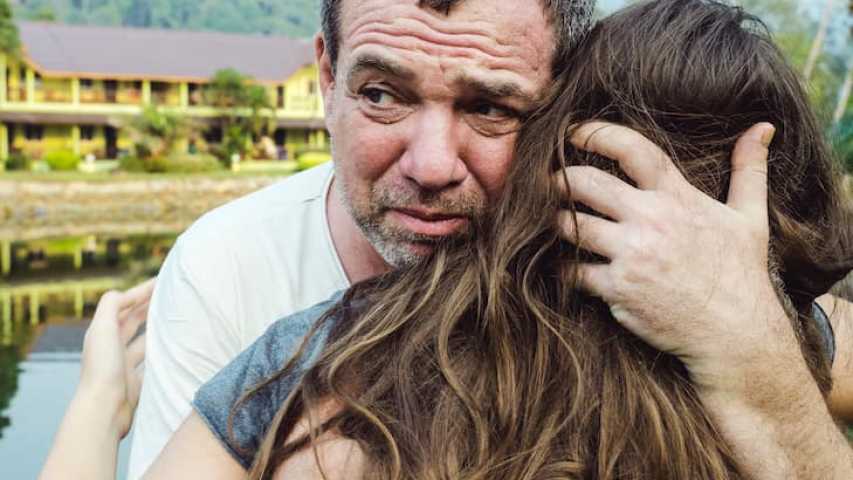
491 110
378 96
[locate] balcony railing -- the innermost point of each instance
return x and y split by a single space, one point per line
53 96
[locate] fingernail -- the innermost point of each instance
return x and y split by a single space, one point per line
767 135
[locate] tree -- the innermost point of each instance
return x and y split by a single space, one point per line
156 135
44 14
10 42
245 107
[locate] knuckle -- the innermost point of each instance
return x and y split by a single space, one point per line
110 296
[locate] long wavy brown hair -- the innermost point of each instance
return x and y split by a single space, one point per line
487 362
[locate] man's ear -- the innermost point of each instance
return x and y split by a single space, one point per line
326 70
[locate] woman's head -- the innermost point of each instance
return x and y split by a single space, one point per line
487 362
692 76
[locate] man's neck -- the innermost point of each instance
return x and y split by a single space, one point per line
359 259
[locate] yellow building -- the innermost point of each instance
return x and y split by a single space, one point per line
75 86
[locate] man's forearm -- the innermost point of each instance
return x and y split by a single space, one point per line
783 428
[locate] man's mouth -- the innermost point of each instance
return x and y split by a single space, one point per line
428 223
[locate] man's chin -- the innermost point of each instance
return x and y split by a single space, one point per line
404 253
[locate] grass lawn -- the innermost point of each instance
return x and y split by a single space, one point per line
247 169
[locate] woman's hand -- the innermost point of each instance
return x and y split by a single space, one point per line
101 412
111 372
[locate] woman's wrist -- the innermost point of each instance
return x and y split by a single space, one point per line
101 408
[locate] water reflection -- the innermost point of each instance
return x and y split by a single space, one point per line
48 290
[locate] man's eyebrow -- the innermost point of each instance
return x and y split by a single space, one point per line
370 62
496 89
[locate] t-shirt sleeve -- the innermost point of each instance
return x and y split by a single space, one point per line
215 400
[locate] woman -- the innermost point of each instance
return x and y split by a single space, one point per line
488 361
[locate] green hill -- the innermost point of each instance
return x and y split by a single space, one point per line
296 18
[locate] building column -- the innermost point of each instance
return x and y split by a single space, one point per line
146 92
18 311
6 300
75 91
184 92
75 139
4 146
34 308
4 90
78 253
79 302
5 258
31 85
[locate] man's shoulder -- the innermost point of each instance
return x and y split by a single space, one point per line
282 202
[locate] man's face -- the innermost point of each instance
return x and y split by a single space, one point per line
424 110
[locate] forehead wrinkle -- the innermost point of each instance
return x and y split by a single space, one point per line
409 44
430 29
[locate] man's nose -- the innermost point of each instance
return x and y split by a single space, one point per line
432 155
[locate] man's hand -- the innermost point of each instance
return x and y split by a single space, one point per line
690 276
112 356
687 273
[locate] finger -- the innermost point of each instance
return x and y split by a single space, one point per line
591 233
134 386
132 320
107 310
138 294
640 159
136 352
748 187
598 190
594 278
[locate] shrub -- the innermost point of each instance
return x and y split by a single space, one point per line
19 161
311 158
192 163
62 160
131 163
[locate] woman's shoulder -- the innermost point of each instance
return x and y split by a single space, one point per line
240 423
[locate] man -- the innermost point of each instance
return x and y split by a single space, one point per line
423 102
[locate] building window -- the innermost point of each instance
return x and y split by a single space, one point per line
281 99
196 94
213 135
86 83
280 136
312 87
87 132
33 132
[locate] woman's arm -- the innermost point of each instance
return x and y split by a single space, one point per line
101 411
195 452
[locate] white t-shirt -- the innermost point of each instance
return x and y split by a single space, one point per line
233 273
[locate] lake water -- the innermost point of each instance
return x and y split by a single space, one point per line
46 300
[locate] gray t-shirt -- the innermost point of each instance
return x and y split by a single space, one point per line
266 356
215 399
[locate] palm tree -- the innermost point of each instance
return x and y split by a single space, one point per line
819 39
